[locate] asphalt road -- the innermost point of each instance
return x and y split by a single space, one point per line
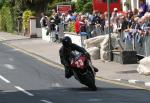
24 79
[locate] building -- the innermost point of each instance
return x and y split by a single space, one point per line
132 4
124 4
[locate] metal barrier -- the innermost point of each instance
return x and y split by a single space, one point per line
141 45
146 44
137 43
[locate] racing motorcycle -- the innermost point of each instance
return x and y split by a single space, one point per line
83 70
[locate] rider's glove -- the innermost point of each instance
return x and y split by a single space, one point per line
67 65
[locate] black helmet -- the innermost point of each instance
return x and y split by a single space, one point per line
66 41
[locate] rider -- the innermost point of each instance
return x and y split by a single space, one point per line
65 51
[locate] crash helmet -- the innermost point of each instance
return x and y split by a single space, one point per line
66 41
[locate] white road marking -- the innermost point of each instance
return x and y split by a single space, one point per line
123 80
95 100
147 84
9 66
132 81
56 85
15 49
24 91
4 79
8 91
45 101
11 59
136 82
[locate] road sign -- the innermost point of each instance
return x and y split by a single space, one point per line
63 8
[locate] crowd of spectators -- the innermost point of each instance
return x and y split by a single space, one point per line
128 24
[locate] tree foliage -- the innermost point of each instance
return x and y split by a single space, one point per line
83 5
87 7
6 19
79 6
16 8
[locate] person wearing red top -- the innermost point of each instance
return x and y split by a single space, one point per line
77 24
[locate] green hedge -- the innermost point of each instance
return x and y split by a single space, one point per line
6 19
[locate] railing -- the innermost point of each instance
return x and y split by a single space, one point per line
137 43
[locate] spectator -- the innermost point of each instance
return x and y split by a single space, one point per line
107 23
127 6
74 16
124 23
68 16
83 24
143 8
96 18
130 18
135 12
96 24
51 26
77 24
44 20
57 22
102 23
115 12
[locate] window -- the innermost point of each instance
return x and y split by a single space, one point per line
99 1
111 1
38 25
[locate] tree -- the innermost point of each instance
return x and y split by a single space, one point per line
80 4
37 5
87 7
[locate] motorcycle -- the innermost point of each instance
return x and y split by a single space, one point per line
83 70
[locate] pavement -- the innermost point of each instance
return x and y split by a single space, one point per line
112 71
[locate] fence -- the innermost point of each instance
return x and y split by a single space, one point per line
143 48
137 43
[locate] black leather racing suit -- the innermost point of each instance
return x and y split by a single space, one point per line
64 53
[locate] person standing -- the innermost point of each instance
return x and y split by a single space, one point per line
96 24
143 8
44 20
57 22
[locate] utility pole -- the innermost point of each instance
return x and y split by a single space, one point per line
110 47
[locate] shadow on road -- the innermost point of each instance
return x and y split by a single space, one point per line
78 95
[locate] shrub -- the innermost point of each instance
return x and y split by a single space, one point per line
26 17
71 27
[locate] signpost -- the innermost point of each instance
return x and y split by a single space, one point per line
63 8
110 47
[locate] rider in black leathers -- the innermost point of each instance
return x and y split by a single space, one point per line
65 51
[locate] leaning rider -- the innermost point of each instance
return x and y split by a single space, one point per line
64 52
